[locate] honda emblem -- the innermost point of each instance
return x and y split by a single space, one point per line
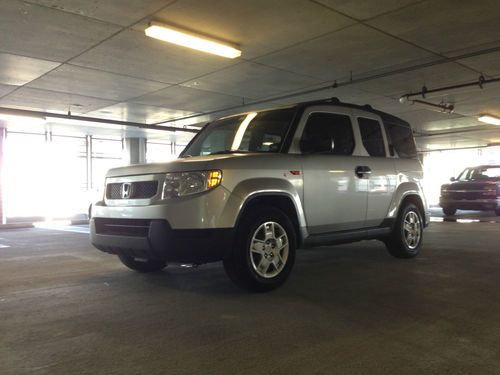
126 190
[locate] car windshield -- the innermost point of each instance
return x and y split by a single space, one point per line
251 132
480 173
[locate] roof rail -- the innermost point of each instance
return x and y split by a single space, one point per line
332 100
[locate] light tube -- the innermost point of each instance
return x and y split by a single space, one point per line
177 36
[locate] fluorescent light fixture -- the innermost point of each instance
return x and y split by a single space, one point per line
22 119
183 38
489 119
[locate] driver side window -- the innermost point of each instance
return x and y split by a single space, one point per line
333 126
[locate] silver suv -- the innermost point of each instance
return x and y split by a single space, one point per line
252 188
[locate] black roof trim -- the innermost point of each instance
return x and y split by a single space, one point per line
386 117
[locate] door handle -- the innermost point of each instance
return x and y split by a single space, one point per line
363 171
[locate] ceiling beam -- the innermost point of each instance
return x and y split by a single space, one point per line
69 116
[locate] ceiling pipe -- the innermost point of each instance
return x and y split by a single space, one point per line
69 116
476 129
442 107
479 83
452 149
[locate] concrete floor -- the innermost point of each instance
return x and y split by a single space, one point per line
66 308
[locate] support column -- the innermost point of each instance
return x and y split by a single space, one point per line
135 150
2 144
88 158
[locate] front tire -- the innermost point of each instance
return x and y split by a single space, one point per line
497 212
264 251
407 234
146 265
449 211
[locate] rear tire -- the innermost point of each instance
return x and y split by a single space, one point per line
148 265
449 211
407 234
264 250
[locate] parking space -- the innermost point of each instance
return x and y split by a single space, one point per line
68 308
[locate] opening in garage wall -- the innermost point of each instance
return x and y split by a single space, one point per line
440 165
48 176
106 154
160 152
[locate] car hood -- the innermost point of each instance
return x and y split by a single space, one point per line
195 163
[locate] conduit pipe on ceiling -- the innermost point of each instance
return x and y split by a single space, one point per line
441 107
481 81
69 116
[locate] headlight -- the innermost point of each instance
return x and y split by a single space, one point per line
180 184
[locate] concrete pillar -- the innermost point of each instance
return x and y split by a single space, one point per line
135 150
2 144
88 158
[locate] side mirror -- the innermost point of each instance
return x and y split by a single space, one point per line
317 144
453 179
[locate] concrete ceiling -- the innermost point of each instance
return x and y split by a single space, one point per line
92 57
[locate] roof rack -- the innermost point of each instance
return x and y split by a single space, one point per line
332 100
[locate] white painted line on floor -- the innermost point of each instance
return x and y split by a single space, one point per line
3 246
71 229
63 226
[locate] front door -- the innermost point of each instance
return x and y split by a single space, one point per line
335 197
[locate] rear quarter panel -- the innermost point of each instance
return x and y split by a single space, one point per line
409 176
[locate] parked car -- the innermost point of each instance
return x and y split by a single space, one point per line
250 189
476 188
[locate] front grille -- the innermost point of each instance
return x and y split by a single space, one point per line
122 227
137 190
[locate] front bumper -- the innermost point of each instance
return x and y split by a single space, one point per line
476 204
155 239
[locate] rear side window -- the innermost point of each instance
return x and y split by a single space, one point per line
401 138
332 125
371 133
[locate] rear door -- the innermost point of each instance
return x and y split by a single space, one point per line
379 164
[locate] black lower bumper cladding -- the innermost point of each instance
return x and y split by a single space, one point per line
155 239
